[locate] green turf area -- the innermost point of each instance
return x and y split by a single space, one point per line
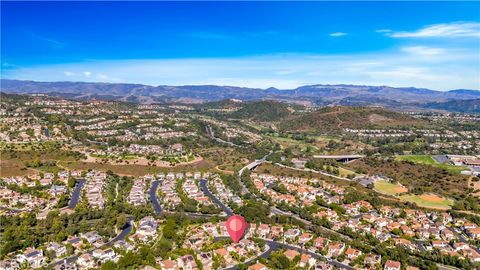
345 172
388 188
428 160
287 141
428 201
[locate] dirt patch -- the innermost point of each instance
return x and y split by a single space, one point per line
401 190
138 170
376 118
9 167
224 171
140 161
431 198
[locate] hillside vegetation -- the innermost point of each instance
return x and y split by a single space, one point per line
335 119
264 111
417 178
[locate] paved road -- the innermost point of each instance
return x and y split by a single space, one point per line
226 209
154 198
441 158
121 236
212 135
76 193
275 245
275 210
250 167
311 253
265 254
13 210
462 238
314 171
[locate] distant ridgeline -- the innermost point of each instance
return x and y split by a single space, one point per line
460 100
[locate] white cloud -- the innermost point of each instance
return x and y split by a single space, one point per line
454 29
68 73
338 34
419 66
87 73
424 51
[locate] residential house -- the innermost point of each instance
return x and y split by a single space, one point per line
335 249
187 262
206 259
392 265
257 266
33 257
59 250
291 254
168 264
307 261
352 253
91 237
86 261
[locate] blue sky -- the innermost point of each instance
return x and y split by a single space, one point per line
256 44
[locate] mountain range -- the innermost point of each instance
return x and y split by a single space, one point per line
400 98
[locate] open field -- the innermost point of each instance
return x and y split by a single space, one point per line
288 142
345 172
414 176
324 138
10 167
388 188
429 201
136 170
428 160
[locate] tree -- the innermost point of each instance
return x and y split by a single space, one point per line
71 182
121 221
109 265
280 261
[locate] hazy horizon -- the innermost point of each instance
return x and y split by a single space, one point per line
239 86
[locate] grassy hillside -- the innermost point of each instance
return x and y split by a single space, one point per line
264 111
334 119
418 178
428 160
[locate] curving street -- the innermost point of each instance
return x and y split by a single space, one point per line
121 236
76 193
212 135
273 245
206 191
154 198
250 167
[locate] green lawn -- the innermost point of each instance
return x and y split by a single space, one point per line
388 188
428 160
429 201
345 172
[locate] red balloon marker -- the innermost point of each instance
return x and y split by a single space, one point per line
236 226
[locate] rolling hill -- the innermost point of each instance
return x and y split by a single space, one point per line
337 118
264 111
463 106
406 98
